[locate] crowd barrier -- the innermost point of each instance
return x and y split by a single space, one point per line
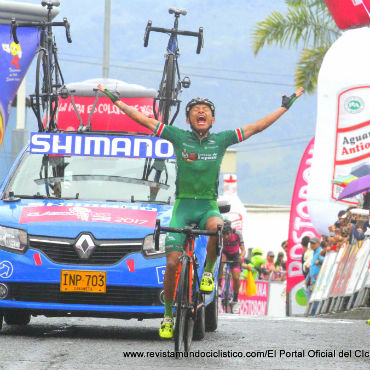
343 284
270 299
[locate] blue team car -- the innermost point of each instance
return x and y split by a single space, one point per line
77 214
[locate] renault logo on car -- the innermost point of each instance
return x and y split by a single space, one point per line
85 246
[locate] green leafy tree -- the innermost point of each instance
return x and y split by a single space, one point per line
307 24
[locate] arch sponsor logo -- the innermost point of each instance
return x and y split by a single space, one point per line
354 104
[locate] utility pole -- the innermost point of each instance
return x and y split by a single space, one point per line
106 45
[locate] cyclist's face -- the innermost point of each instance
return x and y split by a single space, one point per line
200 117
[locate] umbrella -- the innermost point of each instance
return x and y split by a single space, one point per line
345 180
361 170
355 187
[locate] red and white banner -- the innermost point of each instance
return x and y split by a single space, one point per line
88 214
349 13
352 146
252 306
299 226
106 116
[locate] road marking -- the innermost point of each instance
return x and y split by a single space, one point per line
313 320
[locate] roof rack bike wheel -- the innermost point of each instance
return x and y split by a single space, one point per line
42 91
56 83
167 89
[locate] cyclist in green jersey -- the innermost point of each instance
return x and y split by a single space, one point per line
198 155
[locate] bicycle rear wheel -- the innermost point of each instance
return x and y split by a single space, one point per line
42 89
167 88
182 303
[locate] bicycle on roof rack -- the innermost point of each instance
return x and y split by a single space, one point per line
171 83
49 78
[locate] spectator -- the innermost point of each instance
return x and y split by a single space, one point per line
366 224
255 262
306 256
358 231
269 267
280 260
284 245
366 204
280 266
316 263
342 215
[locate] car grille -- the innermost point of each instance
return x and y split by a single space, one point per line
115 295
106 252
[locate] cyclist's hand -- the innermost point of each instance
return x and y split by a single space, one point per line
247 267
112 96
287 102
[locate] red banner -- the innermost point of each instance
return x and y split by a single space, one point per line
252 306
349 13
300 223
106 116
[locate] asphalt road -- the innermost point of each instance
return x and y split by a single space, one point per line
262 343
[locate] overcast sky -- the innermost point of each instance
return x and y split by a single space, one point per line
243 87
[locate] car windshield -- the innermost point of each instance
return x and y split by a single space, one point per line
94 178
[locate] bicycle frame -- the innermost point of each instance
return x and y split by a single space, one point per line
188 253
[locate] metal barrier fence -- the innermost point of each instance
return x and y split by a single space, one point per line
343 284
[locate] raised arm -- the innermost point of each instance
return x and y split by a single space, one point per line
263 123
138 117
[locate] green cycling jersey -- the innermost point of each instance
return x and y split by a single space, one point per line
198 160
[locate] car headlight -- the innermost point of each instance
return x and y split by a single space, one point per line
13 240
149 248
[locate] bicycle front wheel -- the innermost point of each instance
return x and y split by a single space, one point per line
226 296
42 90
182 303
192 311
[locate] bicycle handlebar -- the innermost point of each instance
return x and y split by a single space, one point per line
173 31
186 230
15 25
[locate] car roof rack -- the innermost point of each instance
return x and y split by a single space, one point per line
88 89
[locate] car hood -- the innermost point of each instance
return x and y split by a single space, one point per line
68 218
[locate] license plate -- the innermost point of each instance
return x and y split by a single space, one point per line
83 281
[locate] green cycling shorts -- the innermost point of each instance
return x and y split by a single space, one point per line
187 212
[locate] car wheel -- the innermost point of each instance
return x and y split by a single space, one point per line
17 318
200 324
212 314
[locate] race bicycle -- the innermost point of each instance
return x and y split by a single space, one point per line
189 301
171 83
49 78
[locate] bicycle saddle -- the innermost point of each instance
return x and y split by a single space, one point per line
177 12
